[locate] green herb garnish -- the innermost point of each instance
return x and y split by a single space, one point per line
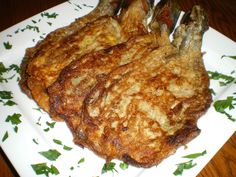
38 109
223 79
5 136
46 129
195 155
221 106
7 45
16 129
14 119
124 165
59 142
51 124
85 5
42 168
46 14
35 141
5 95
81 160
5 98
14 67
30 27
51 154
212 91
189 164
4 70
184 166
233 57
109 167
67 148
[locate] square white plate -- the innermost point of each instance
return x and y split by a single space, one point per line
23 147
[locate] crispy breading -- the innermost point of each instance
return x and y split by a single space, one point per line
105 7
45 62
77 79
141 112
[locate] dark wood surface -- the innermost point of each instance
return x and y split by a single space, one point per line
222 17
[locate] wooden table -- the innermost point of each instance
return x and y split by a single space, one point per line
222 17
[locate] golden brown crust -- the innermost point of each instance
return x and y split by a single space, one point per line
104 8
77 79
141 112
137 101
146 109
45 62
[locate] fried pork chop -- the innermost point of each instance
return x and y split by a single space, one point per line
45 62
104 8
142 111
76 80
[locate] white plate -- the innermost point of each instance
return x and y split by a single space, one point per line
22 151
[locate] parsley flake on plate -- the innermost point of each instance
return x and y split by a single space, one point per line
123 165
110 166
43 168
4 70
189 164
222 105
195 155
48 15
51 154
14 119
5 136
222 78
233 57
7 45
59 142
184 166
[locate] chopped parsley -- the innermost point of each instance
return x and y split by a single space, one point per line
59 142
31 27
51 154
67 148
222 105
189 164
233 57
50 126
14 119
4 70
5 136
184 166
38 109
82 160
43 168
222 78
5 98
123 165
7 45
35 141
110 166
48 15
195 155
86 5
